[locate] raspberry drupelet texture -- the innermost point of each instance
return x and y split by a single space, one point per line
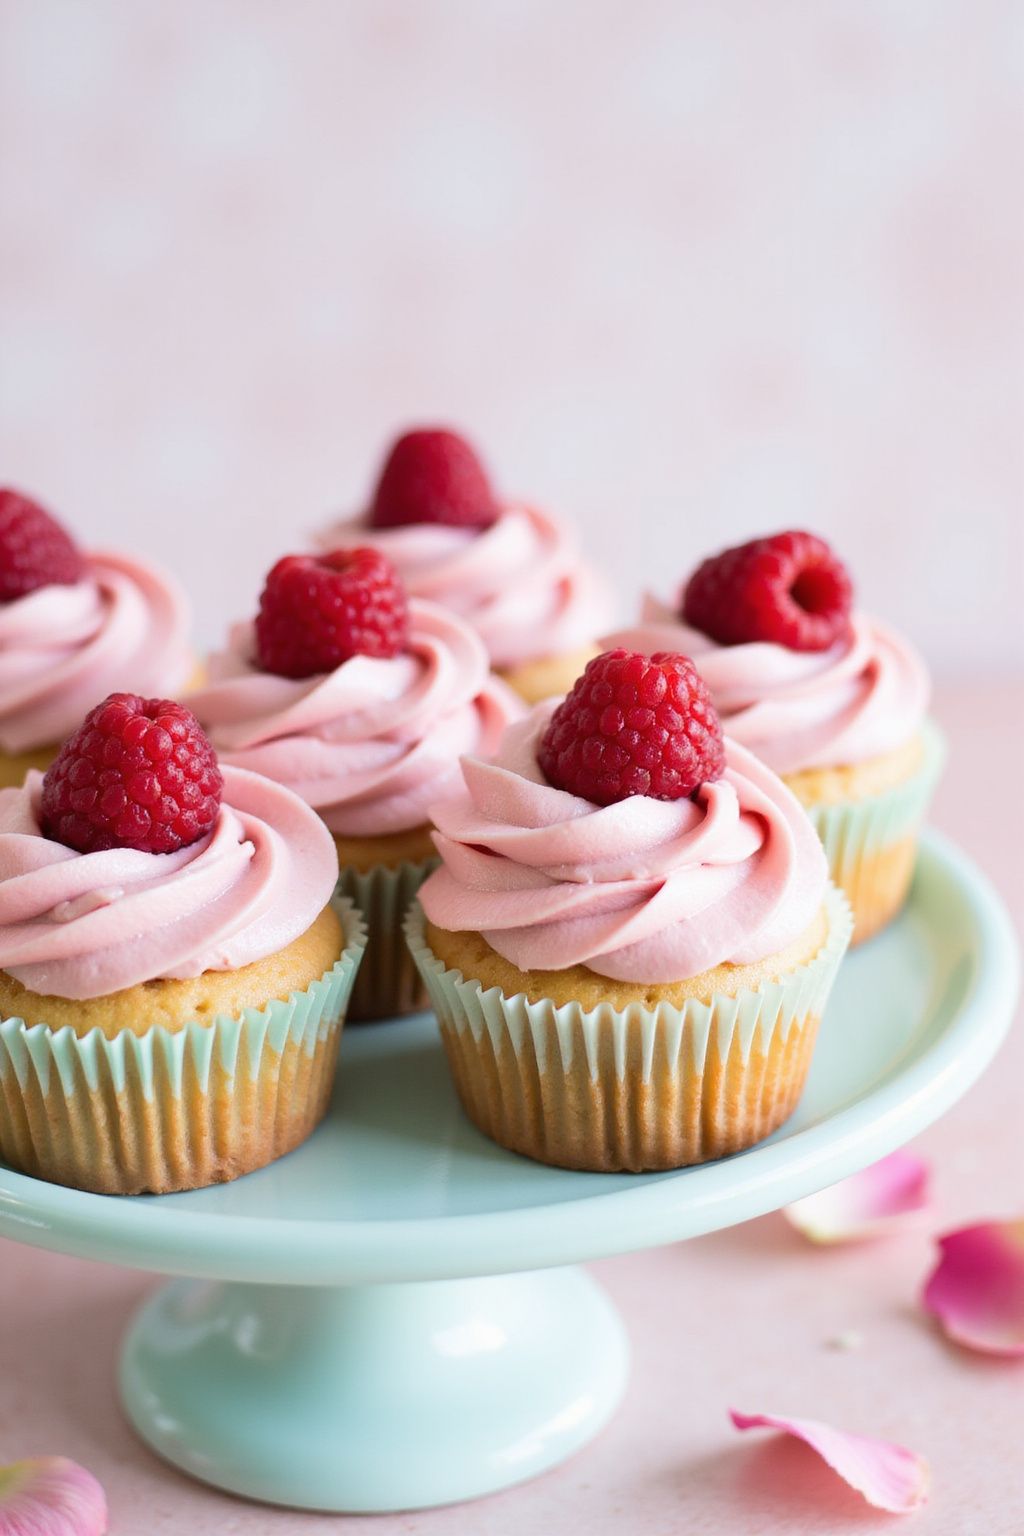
35 551
634 725
789 589
138 773
433 476
317 611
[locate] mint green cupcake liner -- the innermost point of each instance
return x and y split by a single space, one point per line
638 1088
870 843
175 1109
388 982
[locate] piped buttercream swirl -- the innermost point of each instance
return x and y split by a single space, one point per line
124 626
643 890
521 583
863 697
371 744
87 924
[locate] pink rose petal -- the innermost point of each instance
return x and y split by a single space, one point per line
977 1288
887 1475
879 1199
50 1496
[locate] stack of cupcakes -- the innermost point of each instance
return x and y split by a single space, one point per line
627 904
175 963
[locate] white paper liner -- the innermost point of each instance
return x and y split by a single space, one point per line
870 843
388 982
175 1109
637 1088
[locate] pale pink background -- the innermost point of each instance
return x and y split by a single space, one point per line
688 271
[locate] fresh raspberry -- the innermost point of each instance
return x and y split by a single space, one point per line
35 551
789 589
634 725
318 610
138 773
433 476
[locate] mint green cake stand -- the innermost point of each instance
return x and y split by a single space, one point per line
385 1319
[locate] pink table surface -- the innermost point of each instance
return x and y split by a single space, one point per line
743 1317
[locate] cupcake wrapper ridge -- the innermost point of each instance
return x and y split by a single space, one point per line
388 982
175 1109
871 844
635 1088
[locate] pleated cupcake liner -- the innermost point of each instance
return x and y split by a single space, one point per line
388 982
638 1088
871 844
175 1109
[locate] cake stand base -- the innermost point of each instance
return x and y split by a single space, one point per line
362 1399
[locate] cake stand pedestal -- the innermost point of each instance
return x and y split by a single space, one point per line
385 1319
374 1397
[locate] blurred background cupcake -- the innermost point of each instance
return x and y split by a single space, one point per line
73 626
830 698
173 975
512 571
631 936
362 703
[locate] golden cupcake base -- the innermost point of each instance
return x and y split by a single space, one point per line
180 1105
641 1088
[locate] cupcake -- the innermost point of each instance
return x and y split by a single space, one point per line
513 572
830 698
73 626
361 702
173 973
631 936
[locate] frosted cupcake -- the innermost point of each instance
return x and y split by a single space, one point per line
514 572
73 626
631 936
362 703
832 699
173 975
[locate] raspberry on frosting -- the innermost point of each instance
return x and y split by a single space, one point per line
432 475
317 611
789 589
138 773
634 725
647 891
35 551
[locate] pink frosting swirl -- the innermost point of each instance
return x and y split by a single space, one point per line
62 649
87 924
521 582
372 744
864 697
644 890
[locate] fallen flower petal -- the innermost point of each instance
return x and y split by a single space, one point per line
878 1199
976 1290
887 1475
50 1496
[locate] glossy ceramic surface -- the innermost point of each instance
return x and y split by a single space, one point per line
370 1398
